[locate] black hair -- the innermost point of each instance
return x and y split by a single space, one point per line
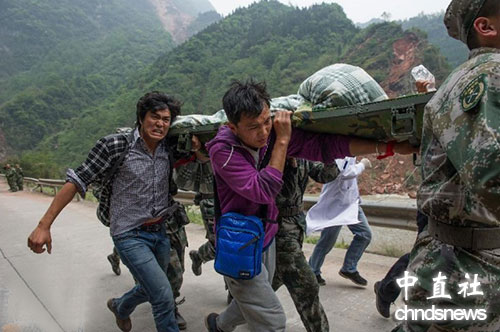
490 8
247 98
156 101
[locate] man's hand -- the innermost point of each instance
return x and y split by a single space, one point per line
195 143
422 86
283 126
366 162
38 238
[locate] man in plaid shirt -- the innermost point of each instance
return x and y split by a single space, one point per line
139 205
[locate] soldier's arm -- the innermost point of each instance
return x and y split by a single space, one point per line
474 147
323 173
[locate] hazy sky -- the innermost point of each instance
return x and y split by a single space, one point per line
358 11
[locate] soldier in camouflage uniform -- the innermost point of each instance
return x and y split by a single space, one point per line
206 252
178 243
460 192
197 176
10 174
292 268
19 177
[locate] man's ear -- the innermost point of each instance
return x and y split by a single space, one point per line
486 28
233 127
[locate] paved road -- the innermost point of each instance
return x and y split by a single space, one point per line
67 290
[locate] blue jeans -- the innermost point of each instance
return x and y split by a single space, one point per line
147 254
362 237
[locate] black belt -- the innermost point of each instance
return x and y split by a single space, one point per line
289 211
474 238
156 227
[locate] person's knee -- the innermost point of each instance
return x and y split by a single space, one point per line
368 236
163 299
365 236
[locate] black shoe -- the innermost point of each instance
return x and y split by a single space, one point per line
321 281
383 307
181 322
196 262
211 322
123 324
355 277
229 298
115 264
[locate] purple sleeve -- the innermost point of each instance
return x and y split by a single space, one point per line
240 176
318 147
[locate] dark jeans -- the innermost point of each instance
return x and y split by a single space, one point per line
362 237
147 254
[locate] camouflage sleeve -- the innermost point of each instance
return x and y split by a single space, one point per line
473 144
323 173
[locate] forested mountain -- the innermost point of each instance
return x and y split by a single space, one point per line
455 51
267 41
61 57
432 24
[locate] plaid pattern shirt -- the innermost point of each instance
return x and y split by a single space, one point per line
195 176
140 186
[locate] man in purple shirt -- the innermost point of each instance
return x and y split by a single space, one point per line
243 186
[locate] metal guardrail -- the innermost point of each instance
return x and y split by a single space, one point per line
39 184
400 214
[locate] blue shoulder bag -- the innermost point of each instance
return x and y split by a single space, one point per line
239 238
238 251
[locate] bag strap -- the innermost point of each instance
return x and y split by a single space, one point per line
264 207
113 169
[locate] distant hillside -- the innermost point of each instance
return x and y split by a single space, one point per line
184 18
63 56
268 41
455 51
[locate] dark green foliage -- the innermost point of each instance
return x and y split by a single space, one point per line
76 54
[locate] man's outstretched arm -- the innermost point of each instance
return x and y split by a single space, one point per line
40 236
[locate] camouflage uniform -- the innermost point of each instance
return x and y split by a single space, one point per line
19 177
10 174
207 250
292 268
197 176
461 184
178 244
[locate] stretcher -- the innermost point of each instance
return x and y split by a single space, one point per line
398 119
